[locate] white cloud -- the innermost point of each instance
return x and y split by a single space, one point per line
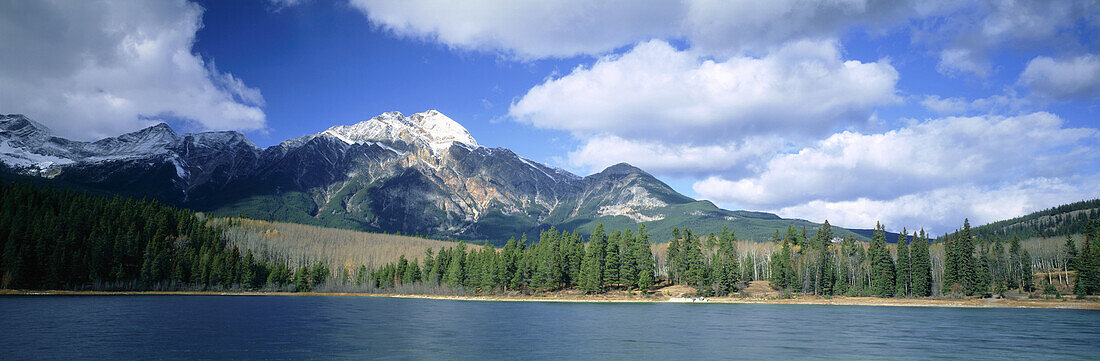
1077 77
954 62
943 210
527 29
947 106
867 174
996 104
658 92
90 69
973 31
734 157
540 29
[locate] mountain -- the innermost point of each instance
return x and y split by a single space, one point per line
1073 218
419 174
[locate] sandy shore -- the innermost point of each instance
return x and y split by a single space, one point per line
798 300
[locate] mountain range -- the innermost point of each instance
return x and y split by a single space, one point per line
421 174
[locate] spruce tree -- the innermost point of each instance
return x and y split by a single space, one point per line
694 267
591 277
456 269
967 263
950 264
672 261
882 264
1088 263
644 255
612 262
921 271
1069 254
903 264
727 271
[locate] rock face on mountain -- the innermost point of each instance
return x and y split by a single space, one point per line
419 174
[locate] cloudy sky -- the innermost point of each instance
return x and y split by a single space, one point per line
916 114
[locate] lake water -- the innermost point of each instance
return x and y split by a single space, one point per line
126 327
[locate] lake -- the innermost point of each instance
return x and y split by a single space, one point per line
266 327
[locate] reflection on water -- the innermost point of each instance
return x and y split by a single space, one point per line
112 327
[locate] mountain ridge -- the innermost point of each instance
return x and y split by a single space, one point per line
418 174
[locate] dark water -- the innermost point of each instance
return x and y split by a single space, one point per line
266 327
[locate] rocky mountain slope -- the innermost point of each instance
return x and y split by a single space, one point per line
419 174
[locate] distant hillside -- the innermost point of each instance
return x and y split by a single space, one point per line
337 248
891 237
1054 222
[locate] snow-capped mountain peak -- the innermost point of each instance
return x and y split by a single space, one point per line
430 128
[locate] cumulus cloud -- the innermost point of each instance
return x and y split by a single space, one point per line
91 69
859 175
996 104
973 31
943 210
964 33
954 62
678 160
540 29
1077 77
527 29
658 92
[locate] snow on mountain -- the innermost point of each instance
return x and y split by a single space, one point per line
32 147
431 128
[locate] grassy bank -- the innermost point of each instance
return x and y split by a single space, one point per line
568 296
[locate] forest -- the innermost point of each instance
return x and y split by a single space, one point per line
58 239
797 264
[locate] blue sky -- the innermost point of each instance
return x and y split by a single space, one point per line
916 114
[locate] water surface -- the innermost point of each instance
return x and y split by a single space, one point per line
266 327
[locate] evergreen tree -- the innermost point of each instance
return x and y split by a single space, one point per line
412 272
921 271
826 273
904 277
694 267
673 261
727 271
882 264
591 277
1069 252
644 255
456 269
1088 263
967 264
781 268
612 262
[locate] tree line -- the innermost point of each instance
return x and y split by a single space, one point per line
817 264
51 239
557 260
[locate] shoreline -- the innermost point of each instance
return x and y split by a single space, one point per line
797 300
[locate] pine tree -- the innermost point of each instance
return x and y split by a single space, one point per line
672 261
456 270
1069 252
882 264
1088 263
591 277
644 256
967 264
921 271
951 264
903 264
612 262
694 267
727 270
826 273
412 272
780 267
